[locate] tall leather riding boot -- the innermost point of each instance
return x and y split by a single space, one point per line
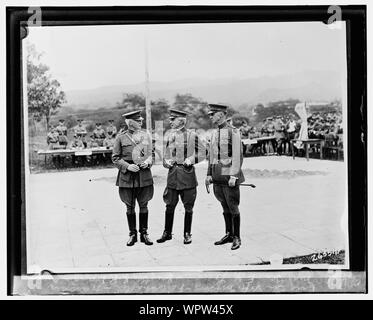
169 221
236 225
228 230
188 227
228 222
236 232
131 218
144 228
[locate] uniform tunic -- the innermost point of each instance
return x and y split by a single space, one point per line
181 180
111 130
62 128
133 148
182 145
225 160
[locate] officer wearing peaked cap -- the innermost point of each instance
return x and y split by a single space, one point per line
183 150
132 155
111 129
61 127
224 172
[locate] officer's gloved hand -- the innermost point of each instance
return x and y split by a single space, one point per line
187 162
232 181
169 163
208 180
133 168
143 165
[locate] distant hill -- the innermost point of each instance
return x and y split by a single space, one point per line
310 85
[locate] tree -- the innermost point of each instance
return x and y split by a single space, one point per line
136 101
160 109
197 109
44 94
275 108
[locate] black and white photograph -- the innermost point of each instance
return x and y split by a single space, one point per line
191 146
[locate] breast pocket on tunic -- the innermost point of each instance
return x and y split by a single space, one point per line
127 149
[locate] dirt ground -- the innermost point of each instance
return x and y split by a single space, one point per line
76 221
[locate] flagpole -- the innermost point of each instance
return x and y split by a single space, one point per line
147 93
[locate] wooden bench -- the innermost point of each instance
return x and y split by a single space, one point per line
307 143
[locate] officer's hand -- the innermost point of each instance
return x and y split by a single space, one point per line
232 181
169 163
187 162
208 180
133 168
143 165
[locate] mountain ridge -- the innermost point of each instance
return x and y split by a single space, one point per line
310 85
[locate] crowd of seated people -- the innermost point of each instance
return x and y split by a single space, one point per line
57 139
281 130
57 136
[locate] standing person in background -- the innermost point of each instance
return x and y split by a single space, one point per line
132 155
271 144
182 148
279 134
224 172
244 130
290 128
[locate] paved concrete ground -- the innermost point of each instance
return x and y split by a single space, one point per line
76 221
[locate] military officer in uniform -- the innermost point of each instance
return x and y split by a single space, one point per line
132 155
111 129
181 153
80 130
224 172
61 127
99 134
52 137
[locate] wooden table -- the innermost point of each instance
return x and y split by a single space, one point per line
265 139
76 152
306 144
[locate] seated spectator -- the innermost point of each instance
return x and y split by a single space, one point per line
111 129
52 137
62 140
77 142
80 130
99 135
92 143
109 142
61 127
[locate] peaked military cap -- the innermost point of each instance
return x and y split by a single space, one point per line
134 115
217 107
177 113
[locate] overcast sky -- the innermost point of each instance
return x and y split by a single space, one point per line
87 57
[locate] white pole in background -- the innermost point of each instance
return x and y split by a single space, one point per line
147 94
